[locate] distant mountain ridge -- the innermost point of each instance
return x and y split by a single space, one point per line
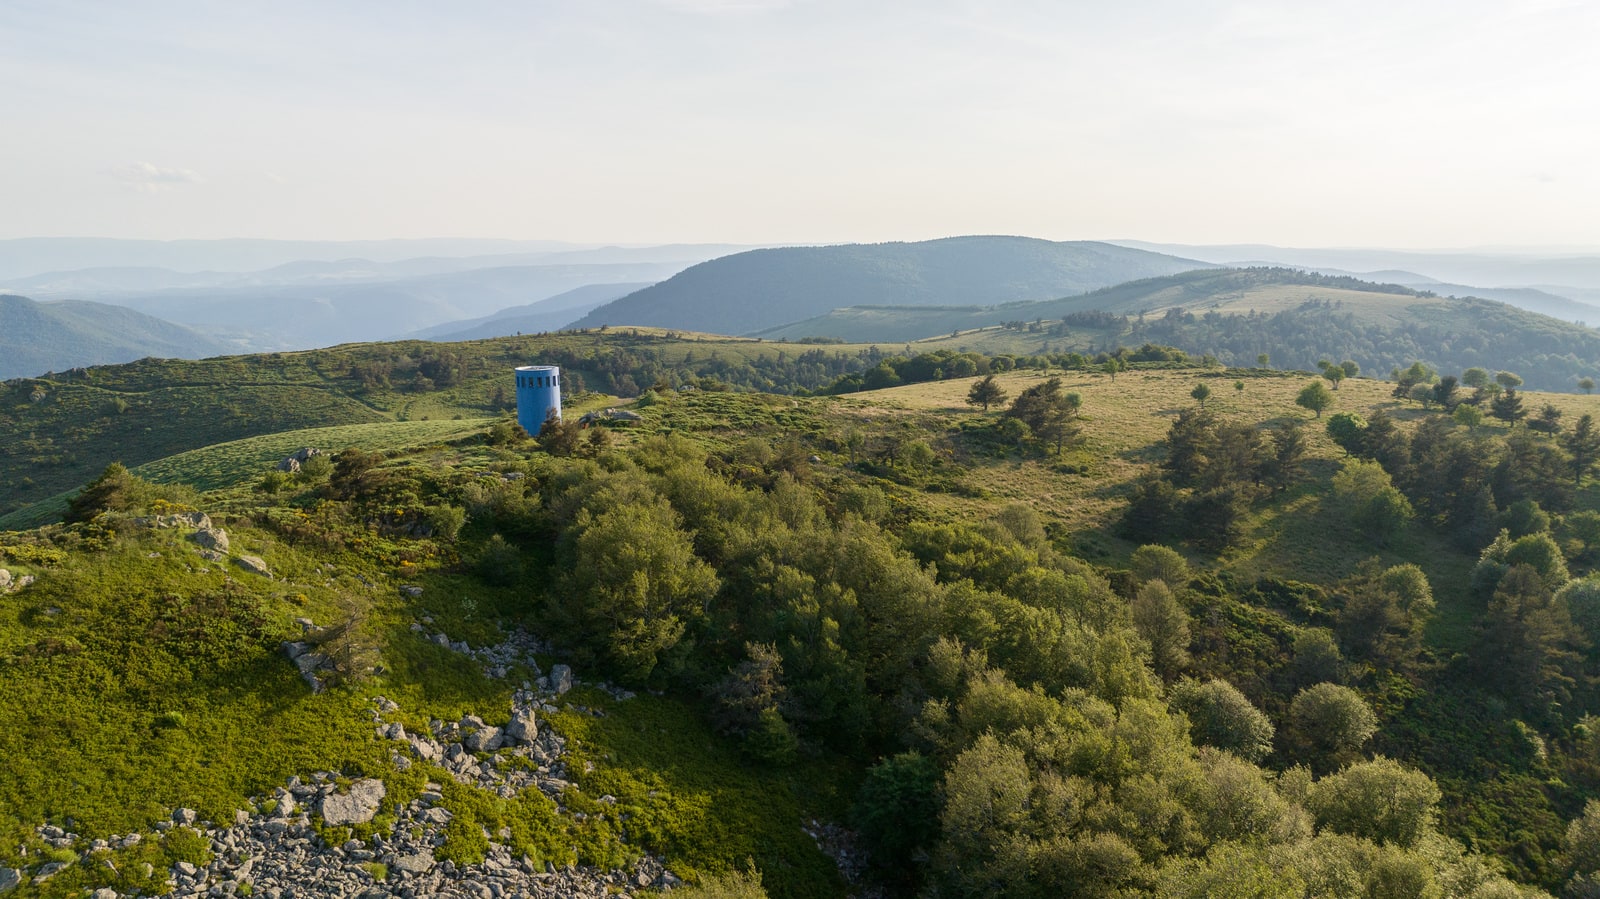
545 315
759 289
55 336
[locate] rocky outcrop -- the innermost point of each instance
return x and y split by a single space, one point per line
358 806
189 520
278 848
560 679
215 539
293 462
254 565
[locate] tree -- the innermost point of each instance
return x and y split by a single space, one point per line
1586 385
1508 407
1468 416
1422 393
1582 443
1476 378
1444 392
985 392
1530 642
1381 800
558 437
1154 562
1508 380
1347 430
1263 360
1363 492
1238 387
1548 421
1582 852
1331 723
1334 374
897 811
1219 715
635 584
1162 622
1406 379
1351 369
1282 466
1112 366
1315 396
115 490
1201 393
1048 411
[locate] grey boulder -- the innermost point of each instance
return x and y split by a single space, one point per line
355 807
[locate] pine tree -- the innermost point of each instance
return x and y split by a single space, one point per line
1583 445
986 392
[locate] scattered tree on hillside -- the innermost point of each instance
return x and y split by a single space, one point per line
1315 396
1467 415
1476 378
1406 379
1334 374
1329 723
1347 430
114 490
1508 407
1363 492
1154 562
1221 716
1048 411
1444 392
1161 621
1282 467
1422 393
1582 443
559 437
1263 360
986 392
1201 393
1508 380
1548 421
1586 385
1351 369
1381 800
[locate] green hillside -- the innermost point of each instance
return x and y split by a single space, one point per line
762 289
66 428
888 618
1236 315
41 337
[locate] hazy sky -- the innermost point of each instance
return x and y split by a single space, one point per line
1407 124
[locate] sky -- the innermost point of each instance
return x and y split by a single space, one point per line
1396 124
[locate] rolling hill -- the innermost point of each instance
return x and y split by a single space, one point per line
545 315
762 289
1296 317
55 336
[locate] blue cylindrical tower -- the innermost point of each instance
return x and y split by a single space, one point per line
538 394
